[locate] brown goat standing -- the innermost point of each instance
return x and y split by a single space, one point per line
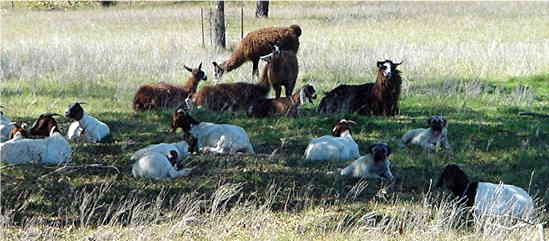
258 43
165 95
281 70
379 98
283 106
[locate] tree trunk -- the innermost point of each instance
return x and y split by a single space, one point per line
262 9
219 24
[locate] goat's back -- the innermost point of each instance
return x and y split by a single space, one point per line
343 98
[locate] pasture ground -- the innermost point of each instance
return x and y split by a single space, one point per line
478 64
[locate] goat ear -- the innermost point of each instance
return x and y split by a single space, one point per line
379 64
187 68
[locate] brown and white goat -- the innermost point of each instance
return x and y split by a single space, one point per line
379 98
165 95
258 43
283 106
281 70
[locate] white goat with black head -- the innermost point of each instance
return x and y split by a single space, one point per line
487 199
375 164
161 161
54 149
85 128
210 137
429 138
339 146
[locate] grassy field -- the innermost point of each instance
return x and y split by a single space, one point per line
478 64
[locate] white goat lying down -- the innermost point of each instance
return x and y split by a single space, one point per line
85 128
160 161
374 165
210 137
487 199
339 146
431 138
5 127
54 149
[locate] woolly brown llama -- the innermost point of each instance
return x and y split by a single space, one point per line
166 95
281 70
283 106
230 96
258 43
379 98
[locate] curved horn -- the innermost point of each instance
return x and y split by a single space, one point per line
49 114
81 103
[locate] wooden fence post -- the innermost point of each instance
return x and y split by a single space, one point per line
202 25
241 23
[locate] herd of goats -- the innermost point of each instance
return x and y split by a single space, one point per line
277 46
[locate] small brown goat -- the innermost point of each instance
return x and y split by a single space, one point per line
283 106
379 98
258 43
166 95
281 70
230 96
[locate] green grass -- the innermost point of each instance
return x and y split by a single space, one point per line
53 58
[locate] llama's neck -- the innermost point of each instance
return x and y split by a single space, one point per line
191 85
235 60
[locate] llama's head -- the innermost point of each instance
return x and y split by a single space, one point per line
181 119
197 73
387 68
437 123
342 126
18 130
43 125
219 70
307 92
453 178
380 151
273 56
75 111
